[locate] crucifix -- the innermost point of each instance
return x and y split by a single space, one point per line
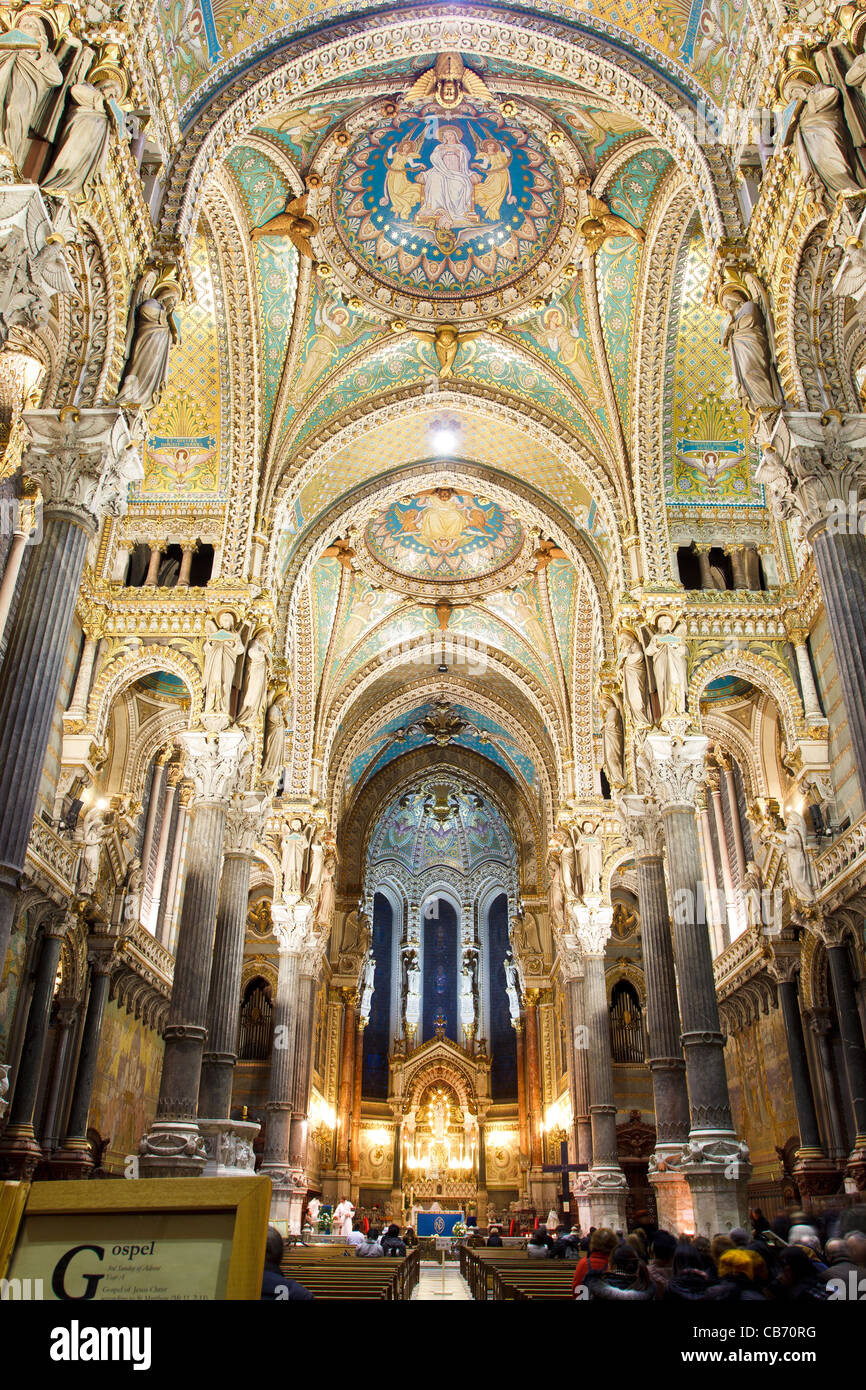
563 1167
440 1023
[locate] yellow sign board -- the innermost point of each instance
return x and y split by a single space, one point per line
153 1238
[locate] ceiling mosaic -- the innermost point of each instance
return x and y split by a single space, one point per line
706 436
183 456
440 823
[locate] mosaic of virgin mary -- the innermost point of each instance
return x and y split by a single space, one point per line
436 205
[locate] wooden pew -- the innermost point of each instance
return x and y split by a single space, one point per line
335 1272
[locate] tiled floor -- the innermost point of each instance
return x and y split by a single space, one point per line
430 1284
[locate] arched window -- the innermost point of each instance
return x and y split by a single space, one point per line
626 1024
257 1018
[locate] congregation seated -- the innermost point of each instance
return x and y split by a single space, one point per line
276 1287
494 1239
601 1243
393 1243
370 1247
626 1278
410 1237
356 1236
537 1247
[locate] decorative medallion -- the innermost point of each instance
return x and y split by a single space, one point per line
445 214
444 542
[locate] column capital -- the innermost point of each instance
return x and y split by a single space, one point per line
84 459
245 821
570 959
592 923
642 825
674 768
175 774
213 762
59 922
813 467
290 924
783 965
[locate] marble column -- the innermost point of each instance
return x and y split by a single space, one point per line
66 1015
20 1154
74 1159
347 1068
519 1026
703 554
738 567
11 571
169 903
185 566
715 790
572 969
229 1144
173 777
643 829
814 466
76 714
83 461
716 917
535 1116
727 771
716 1162
853 1049
815 1173
355 1147
152 575
799 639
309 969
292 926
605 1185
160 767
173 1146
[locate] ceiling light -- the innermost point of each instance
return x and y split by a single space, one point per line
444 441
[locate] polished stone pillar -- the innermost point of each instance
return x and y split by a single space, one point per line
173 1146
716 1162
815 1173
66 1015
76 715
714 788
605 1185
173 778
243 824
160 768
572 971
309 968
519 1026
11 571
814 466
799 639
185 566
535 1116
83 463
853 1049
74 1159
716 917
643 829
168 907
20 1154
156 552
355 1148
731 791
347 1068
292 926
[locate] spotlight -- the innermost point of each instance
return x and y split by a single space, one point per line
444 441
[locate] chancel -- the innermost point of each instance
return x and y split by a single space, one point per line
433 628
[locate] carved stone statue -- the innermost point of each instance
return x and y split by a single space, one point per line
328 893
567 869
411 989
93 836
823 142
274 758
753 887
27 72
555 897
296 837
667 651
468 989
83 148
133 889
222 647
367 987
798 859
154 332
612 741
32 265
255 682
315 870
591 859
634 681
512 985
747 339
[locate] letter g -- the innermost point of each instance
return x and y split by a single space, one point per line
58 1287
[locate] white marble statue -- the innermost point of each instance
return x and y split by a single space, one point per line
798 858
255 681
591 859
222 647
512 986
93 835
296 838
367 986
667 652
612 741
328 894
133 889
274 759
27 72
154 332
83 149
634 678
823 142
555 897
567 870
747 338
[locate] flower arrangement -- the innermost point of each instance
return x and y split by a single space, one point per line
459 1230
324 1222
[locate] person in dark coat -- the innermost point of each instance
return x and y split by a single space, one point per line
692 1276
494 1240
276 1286
799 1279
626 1279
393 1243
738 1269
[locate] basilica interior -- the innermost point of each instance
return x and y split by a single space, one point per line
433 603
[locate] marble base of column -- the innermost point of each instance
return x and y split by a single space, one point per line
674 1208
720 1199
73 1161
604 1192
287 1202
172 1149
229 1147
855 1169
21 1155
815 1174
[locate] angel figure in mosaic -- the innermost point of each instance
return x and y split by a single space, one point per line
333 331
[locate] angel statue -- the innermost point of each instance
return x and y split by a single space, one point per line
295 223
274 758
748 339
27 73
222 647
794 842
597 223
154 330
667 651
449 83
446 340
